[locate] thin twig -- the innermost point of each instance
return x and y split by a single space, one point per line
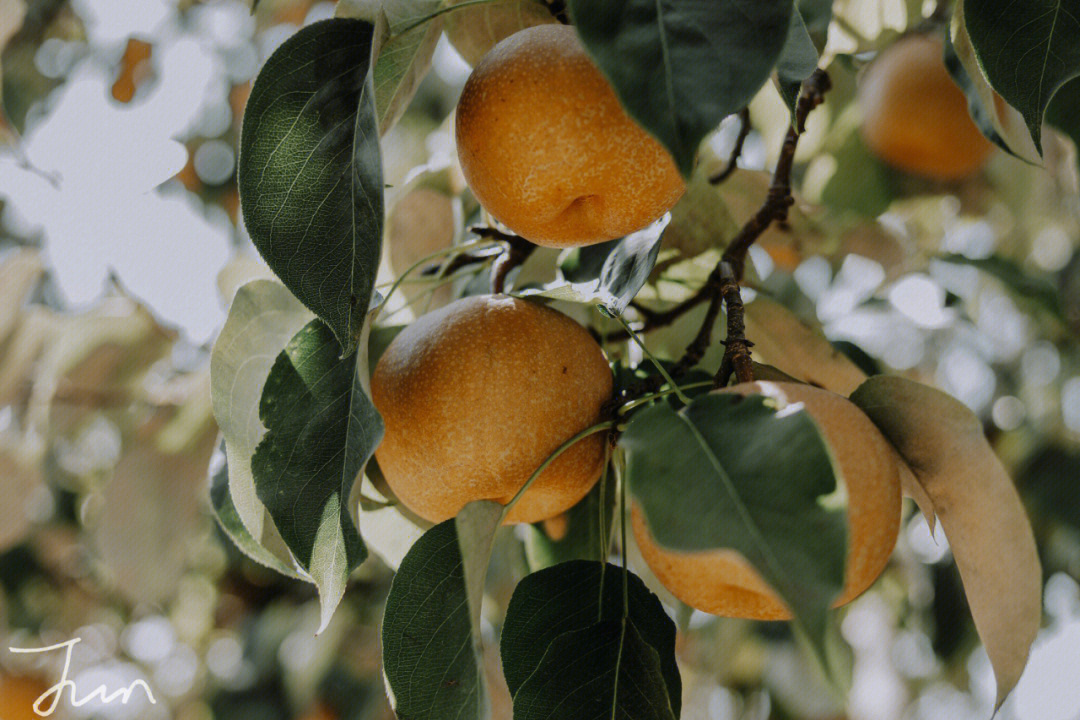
736 151
722 285
517 252
779 199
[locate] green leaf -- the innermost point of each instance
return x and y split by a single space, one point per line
798 60
604 670
22 31
263 317
731 472
583 531
1038 290
682 66
573 597
817 15
310 173
406 32
321 430
861 184
1026 50
228 519
428 632
613 272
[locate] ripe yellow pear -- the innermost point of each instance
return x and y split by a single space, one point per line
477 394
915 117
722 582
18 695
548 150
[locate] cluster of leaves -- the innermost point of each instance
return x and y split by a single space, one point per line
708 472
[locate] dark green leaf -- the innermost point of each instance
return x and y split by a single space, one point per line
682 66
798 60
613 272
310 173
733 472
583 531
321 430
429 659
603 671
380 339
573 597
221 503
816 14
1027 51
1014 277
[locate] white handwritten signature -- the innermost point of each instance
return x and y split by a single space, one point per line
57 690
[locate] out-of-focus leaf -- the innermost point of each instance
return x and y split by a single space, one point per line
310 171
406 32
701 219
95 363
1063 113
978 508
431 661
20 476
150 512
1023 285
18 274
624 266
238 272
321 430
474 30
740 473
573 597
1027 51
24 28
263 317
682 66
389 534
19 355
860 184
782 340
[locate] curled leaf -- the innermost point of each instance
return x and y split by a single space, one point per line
979 510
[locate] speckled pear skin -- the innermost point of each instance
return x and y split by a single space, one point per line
722 582
476 395
548 150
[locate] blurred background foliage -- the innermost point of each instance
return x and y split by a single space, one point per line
121 248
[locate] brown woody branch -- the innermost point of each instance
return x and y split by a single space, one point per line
517 251
722 285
